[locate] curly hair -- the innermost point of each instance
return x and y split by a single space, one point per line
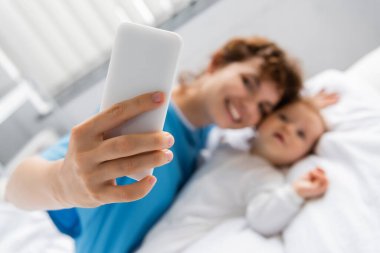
276 66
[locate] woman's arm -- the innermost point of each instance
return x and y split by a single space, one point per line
87 175
35 184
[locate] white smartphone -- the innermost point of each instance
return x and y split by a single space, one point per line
144 59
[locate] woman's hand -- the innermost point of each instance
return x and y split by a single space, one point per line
88 172
86 177
312 185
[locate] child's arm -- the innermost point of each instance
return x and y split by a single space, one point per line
324 99
270 212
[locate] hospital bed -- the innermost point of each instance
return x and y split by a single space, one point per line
345 220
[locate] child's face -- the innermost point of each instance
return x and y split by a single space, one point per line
288 134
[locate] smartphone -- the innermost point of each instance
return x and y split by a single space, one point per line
143 59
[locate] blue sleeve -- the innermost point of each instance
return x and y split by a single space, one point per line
66 220
57 151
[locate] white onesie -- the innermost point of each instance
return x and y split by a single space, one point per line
231 184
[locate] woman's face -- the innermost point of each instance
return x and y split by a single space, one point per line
235 96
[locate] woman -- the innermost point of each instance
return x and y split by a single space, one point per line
244 81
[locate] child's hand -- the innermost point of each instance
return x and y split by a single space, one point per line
324 99
312 185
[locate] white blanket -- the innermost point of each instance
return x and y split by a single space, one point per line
347 219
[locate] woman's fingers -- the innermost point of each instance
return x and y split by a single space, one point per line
133 144
131 165
127 193
123 111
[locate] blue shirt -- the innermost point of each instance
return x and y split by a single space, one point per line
121 227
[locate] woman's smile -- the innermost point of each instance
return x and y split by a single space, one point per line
233 111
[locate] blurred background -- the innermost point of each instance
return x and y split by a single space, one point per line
54 54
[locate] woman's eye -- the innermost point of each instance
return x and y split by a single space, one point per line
246 82
283 117
249 82
301 134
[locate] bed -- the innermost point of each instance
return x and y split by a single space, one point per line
347 218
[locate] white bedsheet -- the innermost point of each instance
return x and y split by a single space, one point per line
30 232
347 218
235 235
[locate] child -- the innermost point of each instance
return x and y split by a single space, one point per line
235 183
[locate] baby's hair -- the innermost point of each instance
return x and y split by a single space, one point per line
276 66
309 102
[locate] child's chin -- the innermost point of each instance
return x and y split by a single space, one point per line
272 157
283 162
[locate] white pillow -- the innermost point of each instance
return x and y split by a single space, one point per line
367 68
347 218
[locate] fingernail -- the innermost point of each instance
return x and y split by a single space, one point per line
168 155
157 97
152 180
321 170
169 140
